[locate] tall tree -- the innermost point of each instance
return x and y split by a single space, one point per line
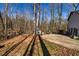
39 14
75 6
2 21
6 13
60 14
52 11
35 16
11 24
52 17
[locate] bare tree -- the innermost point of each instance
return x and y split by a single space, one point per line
39 14
52 11
60 14
2 21
11 24
75 6
6 13
52 17
35 17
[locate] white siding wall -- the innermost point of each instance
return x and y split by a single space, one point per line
74 22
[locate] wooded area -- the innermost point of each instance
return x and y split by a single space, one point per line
21 23
39 29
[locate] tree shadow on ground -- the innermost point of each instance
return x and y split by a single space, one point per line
1 46
14 46
32 47
44 48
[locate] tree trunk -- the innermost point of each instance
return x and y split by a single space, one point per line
6 13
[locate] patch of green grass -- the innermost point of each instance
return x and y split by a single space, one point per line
51 46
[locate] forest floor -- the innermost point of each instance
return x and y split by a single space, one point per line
40 45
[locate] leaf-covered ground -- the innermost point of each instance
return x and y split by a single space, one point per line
34 46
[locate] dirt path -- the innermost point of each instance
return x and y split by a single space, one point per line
62 40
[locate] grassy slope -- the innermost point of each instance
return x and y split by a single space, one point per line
58 50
